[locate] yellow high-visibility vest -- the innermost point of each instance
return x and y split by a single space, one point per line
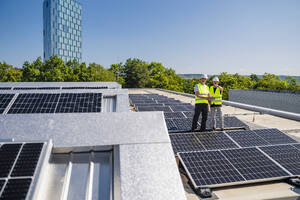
203 91
217 96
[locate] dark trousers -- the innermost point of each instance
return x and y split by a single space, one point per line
200 107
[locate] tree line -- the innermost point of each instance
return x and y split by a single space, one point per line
135 73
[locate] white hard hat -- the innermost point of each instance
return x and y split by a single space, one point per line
216 79
204 76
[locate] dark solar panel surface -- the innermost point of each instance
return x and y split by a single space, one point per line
173 115
148 104
81 87
182 108
154 108
184 142
247 138
274 136
4 101
232 121
2 182
79 102
56 103
27 160
209 168
253 164
183 123
286 155
36 88
189 114
215 140
16 189
34 103
5 88
297 146
8 155
171 126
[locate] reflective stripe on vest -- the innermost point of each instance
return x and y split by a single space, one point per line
203 91
217 96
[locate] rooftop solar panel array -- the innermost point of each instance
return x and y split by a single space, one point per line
56 103
4 101
18 163
155 102
36 88
274 136
5 88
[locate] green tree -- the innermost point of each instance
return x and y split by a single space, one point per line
119 73
31 71
136 73
8 73
99 73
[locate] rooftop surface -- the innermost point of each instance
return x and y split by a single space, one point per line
255 120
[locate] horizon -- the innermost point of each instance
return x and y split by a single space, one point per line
192 37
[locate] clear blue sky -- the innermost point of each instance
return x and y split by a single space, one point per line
190 36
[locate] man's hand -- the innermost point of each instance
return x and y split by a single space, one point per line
221 89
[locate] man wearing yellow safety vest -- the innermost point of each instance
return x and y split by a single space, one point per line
202 96
216 92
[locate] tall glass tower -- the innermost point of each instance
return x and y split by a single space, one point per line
62 29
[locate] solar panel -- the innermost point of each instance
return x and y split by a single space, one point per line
16 189
184 142
18 163
171 125
4 101
182 108
189 114
297 146
82 87
148 104
154 108
34 103
5 88
36 88
8 155
252 164
183 124
2 182
209 168
27 160
215 140
286 155
274 136
173 115
247 138
56 103
232 121
79 102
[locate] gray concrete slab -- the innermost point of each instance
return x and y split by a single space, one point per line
89 129
148 171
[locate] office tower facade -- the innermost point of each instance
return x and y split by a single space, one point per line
62 29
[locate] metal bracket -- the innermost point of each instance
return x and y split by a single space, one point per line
204 192
295 181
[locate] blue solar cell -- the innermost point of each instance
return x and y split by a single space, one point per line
215 140
173 115
253 164
4 101
286 155
184 142
209 168
274 136
247 138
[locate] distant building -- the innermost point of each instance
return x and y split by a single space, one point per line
62 29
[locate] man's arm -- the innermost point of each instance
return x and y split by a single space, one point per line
201 96
221 89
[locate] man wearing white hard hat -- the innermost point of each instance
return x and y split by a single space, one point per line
216 92
202 97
